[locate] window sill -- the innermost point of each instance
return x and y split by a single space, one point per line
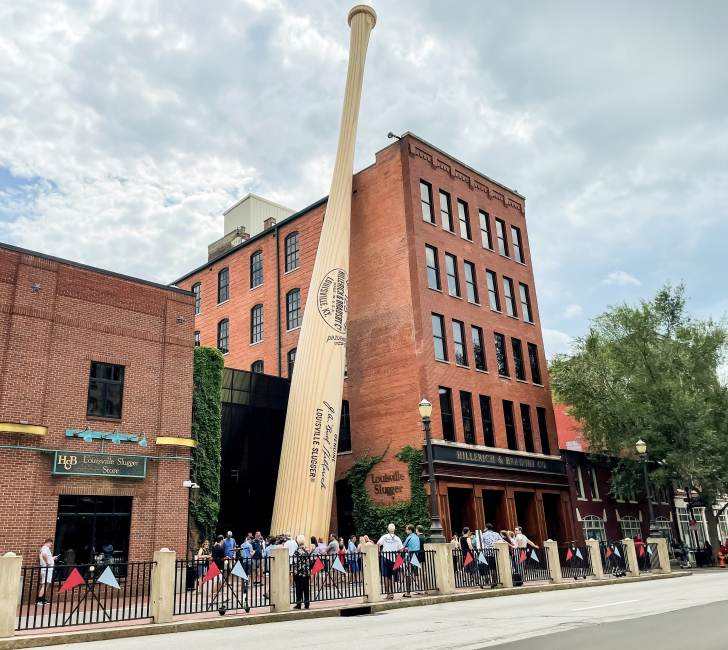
521 381
293 329
460 365
344 453
223 302
521 263
504 377
434 289
496 311
476 303
471 241
513 317
290 271
485 372
102 418
581 499
430 223
257 286
449 232
537 384
454 296
256 343
506 256
442 361
529 322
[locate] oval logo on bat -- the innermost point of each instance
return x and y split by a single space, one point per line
332 299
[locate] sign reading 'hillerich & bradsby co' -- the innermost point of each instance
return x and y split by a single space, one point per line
78 463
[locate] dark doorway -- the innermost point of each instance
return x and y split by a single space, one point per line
344 509
526 514
93 528
552 513
494 509
460 501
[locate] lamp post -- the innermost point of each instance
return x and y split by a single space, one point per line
641 447
436 536
190 485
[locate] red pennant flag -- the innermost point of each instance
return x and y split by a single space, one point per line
642 550
523 556
318 565
609 551
73 580
569 555
468 559
398 562
212 572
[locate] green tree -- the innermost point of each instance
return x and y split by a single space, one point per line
650 371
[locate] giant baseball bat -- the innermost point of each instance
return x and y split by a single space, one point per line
308 458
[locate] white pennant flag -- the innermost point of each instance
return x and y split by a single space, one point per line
578 554
616 552
534 556
414 560
108 578
239 571
649 549
338 566
482 559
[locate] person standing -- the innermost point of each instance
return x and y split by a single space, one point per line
520 541
47 561
353 558
218 552
488 540
202 559
230 546
290 544
411 572
301 560
466 548
389 545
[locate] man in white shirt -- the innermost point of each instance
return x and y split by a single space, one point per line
47 561
290 544
389 546
520 540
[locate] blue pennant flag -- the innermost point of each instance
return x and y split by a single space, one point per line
239 571
108 578
482 559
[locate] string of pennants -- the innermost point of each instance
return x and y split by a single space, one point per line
75 579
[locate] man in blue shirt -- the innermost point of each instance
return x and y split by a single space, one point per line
411 571
229 546
246 553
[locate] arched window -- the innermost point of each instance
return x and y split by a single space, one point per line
291 357
223 281
256 269
293 309
223 333
257 366
663 524
593 527
256 324
197 290
631 527
291 247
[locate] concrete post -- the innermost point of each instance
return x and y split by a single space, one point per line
503 559
370 569
662 553
162 588
9 587
631 553
595 557
552 555
444 570
280 581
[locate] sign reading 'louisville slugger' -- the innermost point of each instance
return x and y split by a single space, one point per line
308 458
78 463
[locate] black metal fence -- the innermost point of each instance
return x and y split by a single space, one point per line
529 565
575 562
614 558
316 578
202 586
407 573
476 568
648 558
83 594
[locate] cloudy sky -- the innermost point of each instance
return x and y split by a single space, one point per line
126 128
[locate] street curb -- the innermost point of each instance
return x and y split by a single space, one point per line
151 629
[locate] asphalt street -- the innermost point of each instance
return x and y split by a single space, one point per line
689 612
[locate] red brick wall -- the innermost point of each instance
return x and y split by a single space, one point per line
48 339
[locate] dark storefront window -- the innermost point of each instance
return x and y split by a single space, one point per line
105 390
527 429
344 428
543 431
510 423
518 366
486 415
448 425
466 407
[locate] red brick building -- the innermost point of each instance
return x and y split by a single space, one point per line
95 409
442 305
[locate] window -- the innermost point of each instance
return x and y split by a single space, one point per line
438 337
543 431
222 285
451 270
517 245
105 390
593 528
591 476
466 407
486 416
500 231
485 235
510 424
493 298
257 367
293 309
478 350
433 268
510 298
448 425
525 302
428 214
518 366
446 211
256 269
291 248
223 331
256 324
458 338
579 483
533 360
344 428
500 354
664 524
471 287
631 527
690 536
291 361
197 339
464 219
527 429
197 290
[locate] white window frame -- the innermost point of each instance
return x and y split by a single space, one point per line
633 528
595 491
580 493
592 523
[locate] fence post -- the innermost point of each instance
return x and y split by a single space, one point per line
662 554
162 588
631 552
370 573
444 570
552 556
595 557
280 580
503 559
9 586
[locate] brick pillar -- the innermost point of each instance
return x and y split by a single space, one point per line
280 581
631 553
662 553
162 588
552 554
595 556
444 570
503 559
370 573
9 592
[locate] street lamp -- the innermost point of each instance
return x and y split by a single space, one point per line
190 485
436 536
641 447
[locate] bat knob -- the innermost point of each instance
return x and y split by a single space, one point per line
363 9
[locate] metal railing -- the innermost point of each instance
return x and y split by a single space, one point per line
575 562
407 573
614 558
318 577
648 558
202 586
82 594
476 568
529 565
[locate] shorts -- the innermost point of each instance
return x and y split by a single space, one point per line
387 568
46 575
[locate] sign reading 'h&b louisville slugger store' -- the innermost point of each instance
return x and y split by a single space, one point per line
78 463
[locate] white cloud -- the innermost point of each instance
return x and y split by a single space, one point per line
556 342
622 278
572 311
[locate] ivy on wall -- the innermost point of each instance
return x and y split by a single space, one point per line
206 430
372 519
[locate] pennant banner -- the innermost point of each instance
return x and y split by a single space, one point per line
108 578
338 566
616 552
578 554
239 571
398 562
482 559
523 556
318 566
212 572
569 555
609 551
649 550
73 580
534 555
642 550
468 559
414 560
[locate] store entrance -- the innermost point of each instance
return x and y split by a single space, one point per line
460 502
526 516
93 529
494 509
552 514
